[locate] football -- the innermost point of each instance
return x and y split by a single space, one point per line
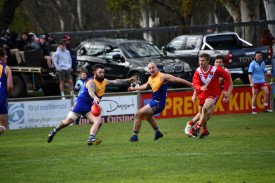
96 109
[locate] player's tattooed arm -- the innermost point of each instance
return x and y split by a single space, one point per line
91 89
119 82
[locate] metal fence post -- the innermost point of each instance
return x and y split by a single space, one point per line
272 96
138 99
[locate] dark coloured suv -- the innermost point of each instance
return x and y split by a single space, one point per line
125 58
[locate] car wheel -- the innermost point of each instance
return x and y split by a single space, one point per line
19 87
140 77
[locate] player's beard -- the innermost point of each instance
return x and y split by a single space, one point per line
100 79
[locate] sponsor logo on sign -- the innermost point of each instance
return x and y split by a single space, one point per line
16 113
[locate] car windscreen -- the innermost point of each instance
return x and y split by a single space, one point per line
139 50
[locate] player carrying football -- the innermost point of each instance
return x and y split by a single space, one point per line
207 84
93 91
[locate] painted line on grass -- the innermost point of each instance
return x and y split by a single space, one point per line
132 156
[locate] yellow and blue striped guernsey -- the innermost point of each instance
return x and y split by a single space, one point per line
100 87
159 88
99 90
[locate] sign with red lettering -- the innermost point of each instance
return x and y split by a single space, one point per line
179 104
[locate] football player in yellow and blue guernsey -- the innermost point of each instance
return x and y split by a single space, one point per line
158 82
93 91
6 86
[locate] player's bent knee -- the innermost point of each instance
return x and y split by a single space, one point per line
205 109
4 128
99 122
138 114
72 116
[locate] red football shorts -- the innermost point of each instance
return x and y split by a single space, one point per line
215 98
259 85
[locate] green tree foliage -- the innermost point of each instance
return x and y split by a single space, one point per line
7 12
128 11
19 23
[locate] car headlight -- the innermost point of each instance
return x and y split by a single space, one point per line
146 69
178 68
187 67
168 68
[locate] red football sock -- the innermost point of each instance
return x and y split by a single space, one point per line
198 126
191 122
193 129
253 108
205 131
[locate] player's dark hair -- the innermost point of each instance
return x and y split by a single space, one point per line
219 57
84 71
97 66
205 55
2 52
258 52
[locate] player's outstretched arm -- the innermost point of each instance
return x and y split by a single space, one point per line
168 77
119 82
91 89
142 87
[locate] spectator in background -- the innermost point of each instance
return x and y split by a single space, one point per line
49 39
80 84
10 47
33 40
63 64
24 40
267 38
67 40
46 54
209 29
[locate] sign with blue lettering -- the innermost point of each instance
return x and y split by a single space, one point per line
35 114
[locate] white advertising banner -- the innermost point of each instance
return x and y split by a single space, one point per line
116 109
118 105
46 113
34 114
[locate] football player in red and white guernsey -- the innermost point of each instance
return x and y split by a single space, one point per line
208 81
219 62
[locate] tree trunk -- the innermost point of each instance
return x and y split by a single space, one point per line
270 15
234 11
249 13
245 11
7 13
146 21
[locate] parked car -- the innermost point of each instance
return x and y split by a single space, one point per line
124 58
237 52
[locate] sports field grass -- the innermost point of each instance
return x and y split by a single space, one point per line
240 148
